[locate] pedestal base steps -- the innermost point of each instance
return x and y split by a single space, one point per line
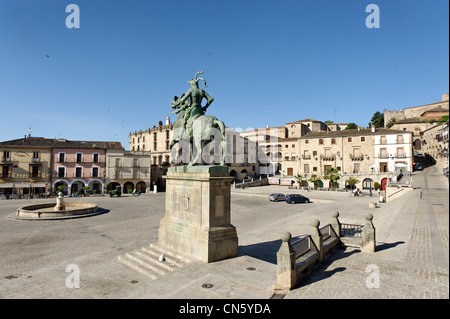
154 260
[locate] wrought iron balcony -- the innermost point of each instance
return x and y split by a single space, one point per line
328 157
359 157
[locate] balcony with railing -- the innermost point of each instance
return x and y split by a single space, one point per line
306 157
327 157
357 157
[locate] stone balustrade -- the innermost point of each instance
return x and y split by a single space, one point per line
296 258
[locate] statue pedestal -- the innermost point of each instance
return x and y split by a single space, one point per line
197 219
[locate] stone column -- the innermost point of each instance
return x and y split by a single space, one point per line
368 243
286 272
197 220
317 238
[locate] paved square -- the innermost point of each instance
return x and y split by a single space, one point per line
411 259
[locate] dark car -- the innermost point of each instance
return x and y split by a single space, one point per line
276 197
296 198
417 166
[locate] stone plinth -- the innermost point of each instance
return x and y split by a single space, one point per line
197 218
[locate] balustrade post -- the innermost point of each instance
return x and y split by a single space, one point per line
317 238
368 244
336 224
286 271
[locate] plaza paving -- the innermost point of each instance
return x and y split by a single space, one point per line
412 248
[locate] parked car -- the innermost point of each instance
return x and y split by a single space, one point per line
247 179
417 166
277 197
296 198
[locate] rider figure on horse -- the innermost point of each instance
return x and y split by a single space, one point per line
195 95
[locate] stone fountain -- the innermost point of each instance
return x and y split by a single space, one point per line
60 210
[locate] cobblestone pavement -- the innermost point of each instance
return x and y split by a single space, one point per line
411 258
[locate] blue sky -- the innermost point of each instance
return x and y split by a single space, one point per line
265 62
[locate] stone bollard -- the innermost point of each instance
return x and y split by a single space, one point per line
59 202
317 238
155 189
286 272
368 244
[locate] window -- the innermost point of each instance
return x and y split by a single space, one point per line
356 168
383 140
306 168
314 153
399 139
167 145
95 157
401 152
61 171
35 156
363 138
6 156
349 139
154 146
320 141
61 157
293 145
154 137
167 134
306 141
6 173
34 171
79 171
314 169
143 139
95 171
333 141
79 157
383 153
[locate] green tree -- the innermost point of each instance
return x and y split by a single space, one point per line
351 126
443 119
391 122
377 119
315 180
332 174
352 181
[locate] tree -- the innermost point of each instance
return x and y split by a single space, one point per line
391 122
332 174
352 181
328 122
351 126
315 180
377 119
443 119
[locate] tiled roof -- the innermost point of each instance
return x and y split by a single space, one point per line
61 143
355 132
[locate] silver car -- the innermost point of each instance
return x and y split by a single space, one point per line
277 197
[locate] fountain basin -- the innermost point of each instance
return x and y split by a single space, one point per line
47 211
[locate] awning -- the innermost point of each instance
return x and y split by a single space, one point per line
22 185
400 165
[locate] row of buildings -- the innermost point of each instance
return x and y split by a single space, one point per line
304 148
37 166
